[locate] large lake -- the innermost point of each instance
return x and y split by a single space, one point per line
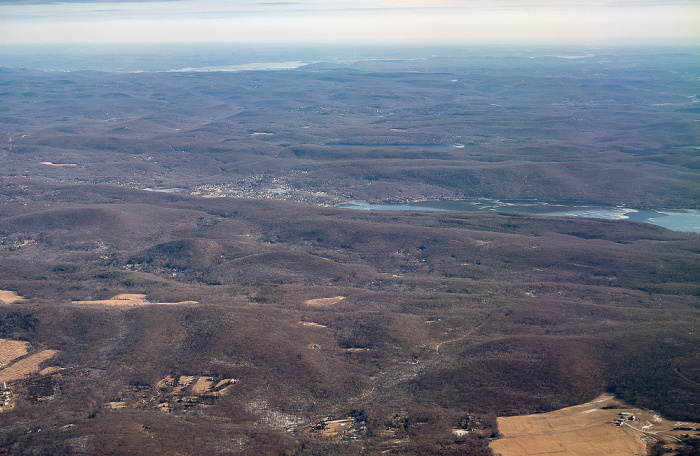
677 221
412 146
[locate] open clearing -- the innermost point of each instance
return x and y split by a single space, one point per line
312 324
11 350
57 164
8 297
129 300
337 428
604 426
202 385
26 366
194 385
183 392
324 302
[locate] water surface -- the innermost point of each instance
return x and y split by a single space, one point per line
688 222
414 146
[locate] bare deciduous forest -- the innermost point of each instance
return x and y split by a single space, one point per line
192 319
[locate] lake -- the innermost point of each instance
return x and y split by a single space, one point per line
688 222
413 146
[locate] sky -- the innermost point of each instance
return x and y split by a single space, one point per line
352 21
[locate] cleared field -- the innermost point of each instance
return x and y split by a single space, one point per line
193 384
311 324
202 385
337 428
57 164
324 302
186 380
601 440
26 366
604 426
11 350
167 381
225 383
129 300
50 370
8 297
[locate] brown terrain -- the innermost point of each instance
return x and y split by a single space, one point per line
446 321
189 287
604 426
128 300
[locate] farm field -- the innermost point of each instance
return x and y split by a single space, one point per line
324 302
605 426
11 350
129 300
57 164
339 429
9 297
26 366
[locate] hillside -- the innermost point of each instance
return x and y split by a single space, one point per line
614 128
176 276
443 315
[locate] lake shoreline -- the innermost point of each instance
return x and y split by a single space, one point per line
676 220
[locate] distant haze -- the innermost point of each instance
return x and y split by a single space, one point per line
358 21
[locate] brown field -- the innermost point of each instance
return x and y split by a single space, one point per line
202 385
324 302
167 381
225 385
193 384
226 382
336 428
602 440
312 324
26 366
8 297
186 380
11 350
129 300
584 430
57 164
50 370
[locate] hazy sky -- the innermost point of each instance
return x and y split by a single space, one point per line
354 21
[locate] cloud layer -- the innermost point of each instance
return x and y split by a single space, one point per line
386 21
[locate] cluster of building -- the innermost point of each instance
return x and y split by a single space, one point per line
6 398
344 429
624 416
274 188
176 392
